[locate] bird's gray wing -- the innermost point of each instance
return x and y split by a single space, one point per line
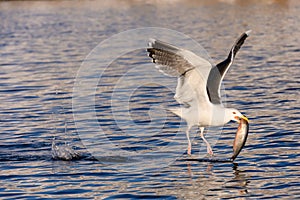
192 71
168 58
218 72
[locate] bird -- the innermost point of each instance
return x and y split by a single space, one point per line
198 86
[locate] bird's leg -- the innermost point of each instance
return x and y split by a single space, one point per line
189 150
209 149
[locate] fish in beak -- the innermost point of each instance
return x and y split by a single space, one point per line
239 118
240 136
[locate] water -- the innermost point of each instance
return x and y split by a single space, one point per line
42 47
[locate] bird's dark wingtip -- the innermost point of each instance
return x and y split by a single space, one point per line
248 32
151 54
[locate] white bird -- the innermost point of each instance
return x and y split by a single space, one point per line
198 86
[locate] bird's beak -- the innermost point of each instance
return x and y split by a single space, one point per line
245 118
242 117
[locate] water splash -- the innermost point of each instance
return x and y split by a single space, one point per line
63 152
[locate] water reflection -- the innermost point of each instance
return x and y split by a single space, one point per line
241 180
207 181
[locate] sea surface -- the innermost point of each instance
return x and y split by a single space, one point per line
70 74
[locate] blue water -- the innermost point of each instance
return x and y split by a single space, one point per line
42 47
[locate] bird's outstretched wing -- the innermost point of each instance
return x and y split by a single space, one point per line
218 72
192 71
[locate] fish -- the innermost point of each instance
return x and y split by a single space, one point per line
240 138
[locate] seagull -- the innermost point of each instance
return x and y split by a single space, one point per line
198 86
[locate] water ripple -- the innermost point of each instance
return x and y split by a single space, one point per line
42 45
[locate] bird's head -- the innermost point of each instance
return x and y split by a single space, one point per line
235 115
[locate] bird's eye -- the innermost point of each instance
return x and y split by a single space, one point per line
234 113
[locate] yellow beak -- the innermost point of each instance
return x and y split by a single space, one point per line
245 118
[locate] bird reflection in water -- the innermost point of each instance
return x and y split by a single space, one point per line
239 181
